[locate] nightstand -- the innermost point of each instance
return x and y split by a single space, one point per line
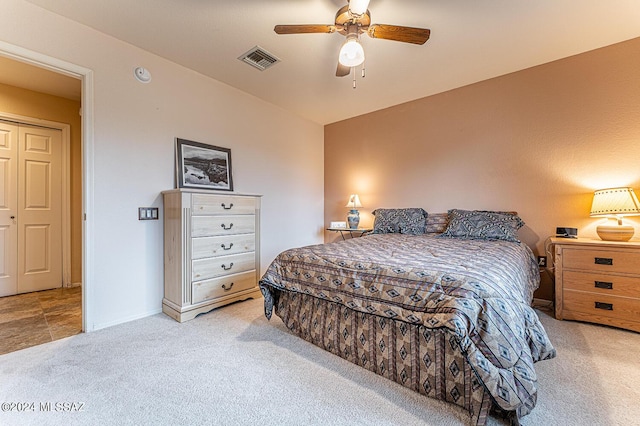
598 281
352 232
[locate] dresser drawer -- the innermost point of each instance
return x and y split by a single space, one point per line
204 226
602 260
608 284
622 308
224 245
218 287
212 267
204 204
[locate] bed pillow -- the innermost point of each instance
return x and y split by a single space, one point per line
483 225
400 221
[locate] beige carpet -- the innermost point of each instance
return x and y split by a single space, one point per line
233 367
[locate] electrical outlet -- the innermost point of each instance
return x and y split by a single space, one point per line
542 261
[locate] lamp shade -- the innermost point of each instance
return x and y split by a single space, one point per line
351 53
615 201
354 201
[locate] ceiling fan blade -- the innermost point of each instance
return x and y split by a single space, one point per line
304 29
397 33
342 70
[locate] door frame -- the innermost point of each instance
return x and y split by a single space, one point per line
66 182
85 75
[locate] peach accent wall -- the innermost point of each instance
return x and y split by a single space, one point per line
537 141
27 103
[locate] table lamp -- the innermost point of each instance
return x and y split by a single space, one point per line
615 203
354 215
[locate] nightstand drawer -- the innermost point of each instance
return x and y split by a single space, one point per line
597 304
222 246
601 260
218 287
204 226
212 267
204 204
594 282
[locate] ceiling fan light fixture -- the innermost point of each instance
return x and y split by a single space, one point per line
351 53
358 7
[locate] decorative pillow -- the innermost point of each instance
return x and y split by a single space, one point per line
483 225
437 223
400 221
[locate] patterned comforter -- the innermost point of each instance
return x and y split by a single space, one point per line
480 291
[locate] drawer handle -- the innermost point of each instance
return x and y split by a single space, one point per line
225 227
225 288
604 284
226 248
605 306
224 206
227 268
604 261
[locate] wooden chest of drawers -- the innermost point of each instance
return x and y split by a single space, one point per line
211 251
598 281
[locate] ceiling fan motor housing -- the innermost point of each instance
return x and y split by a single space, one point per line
345 20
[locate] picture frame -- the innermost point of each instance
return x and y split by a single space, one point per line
203 166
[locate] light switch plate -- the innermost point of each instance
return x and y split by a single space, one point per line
148 213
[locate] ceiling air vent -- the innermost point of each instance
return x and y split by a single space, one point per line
259 58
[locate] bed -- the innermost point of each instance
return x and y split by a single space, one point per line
435 304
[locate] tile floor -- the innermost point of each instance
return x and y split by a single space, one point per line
31 319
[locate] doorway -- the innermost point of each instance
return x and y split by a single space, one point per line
83 179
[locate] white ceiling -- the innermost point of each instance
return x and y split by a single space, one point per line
471 40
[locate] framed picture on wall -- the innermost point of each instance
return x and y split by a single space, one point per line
203 166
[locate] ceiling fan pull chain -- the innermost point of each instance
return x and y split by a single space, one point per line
354 77
354 71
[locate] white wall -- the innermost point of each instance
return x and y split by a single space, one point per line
274 153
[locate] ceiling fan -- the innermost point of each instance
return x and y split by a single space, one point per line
351 21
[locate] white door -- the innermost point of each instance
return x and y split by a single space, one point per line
39 209
8 209
34 223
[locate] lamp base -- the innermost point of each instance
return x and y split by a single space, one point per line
615 233
353 218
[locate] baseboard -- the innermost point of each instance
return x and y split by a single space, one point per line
71 285
119 321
